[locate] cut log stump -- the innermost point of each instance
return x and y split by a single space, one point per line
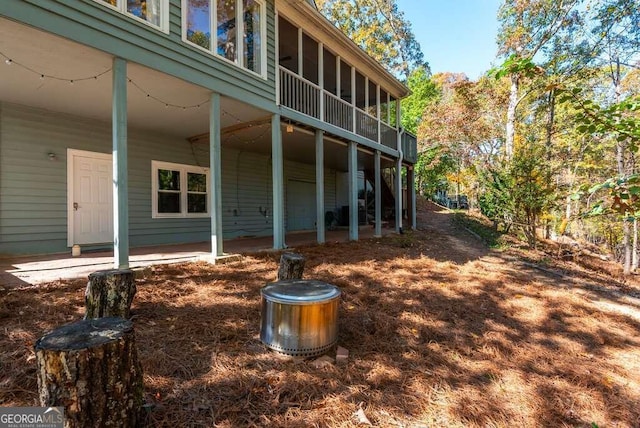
91 368
109 293
291 266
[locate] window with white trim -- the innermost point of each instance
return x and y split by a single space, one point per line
179 190
151 12
232 29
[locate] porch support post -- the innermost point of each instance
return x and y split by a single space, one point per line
215 170
320 226
120 173
353 100
398 186
300 53
353 191
379 119
277 172
378 190
321 78
411 186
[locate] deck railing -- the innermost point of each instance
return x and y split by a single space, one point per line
310 99
388 135
366 125
338 112
409 147
299 94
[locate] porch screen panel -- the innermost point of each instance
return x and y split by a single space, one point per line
252 35
288 45
310 63
227 29
373 102
329 73
345 82
199 22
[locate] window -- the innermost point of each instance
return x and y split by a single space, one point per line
179 190
152 12
232 29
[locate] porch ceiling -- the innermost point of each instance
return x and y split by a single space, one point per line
35 53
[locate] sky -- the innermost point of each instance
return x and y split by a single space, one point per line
455 35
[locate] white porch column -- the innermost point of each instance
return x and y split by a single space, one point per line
378 197
321 78
398 186
353 191
120 173
215 170
320 226
353 100
379 119
411 185
277 173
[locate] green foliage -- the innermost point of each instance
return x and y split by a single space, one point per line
432 168
518 192
515 64
380 29
200 38
423 92
489 235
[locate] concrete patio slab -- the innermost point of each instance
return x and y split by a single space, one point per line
34 270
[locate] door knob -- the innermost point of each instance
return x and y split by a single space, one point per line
75 206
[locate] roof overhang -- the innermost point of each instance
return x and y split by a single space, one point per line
305 15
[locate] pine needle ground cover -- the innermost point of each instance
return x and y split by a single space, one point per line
440 331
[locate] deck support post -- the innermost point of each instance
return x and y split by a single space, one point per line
411 186
398 186
277 166
320 226
353 191
120 171
378 196
215 170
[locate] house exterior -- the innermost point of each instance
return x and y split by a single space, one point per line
129 123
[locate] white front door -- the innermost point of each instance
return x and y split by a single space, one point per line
90 198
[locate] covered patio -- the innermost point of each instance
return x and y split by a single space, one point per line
34 270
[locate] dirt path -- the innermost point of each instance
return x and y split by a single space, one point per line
450 242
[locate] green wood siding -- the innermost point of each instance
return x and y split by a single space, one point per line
93 24
33 189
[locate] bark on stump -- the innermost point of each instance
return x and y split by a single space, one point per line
109 293
91 368
291 266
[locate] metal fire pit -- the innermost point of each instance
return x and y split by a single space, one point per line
299 316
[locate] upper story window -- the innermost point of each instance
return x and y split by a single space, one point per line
152 12
231 29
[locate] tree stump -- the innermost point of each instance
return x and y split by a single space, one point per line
91 368
291 266
109 293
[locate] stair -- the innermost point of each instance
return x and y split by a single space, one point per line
386 191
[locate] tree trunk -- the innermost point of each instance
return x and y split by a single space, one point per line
634 251
109 294
511 116
291 266
91 368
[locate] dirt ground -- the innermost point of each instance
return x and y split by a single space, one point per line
441 331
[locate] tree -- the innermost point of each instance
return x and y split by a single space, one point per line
378 27
423 92
525 27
